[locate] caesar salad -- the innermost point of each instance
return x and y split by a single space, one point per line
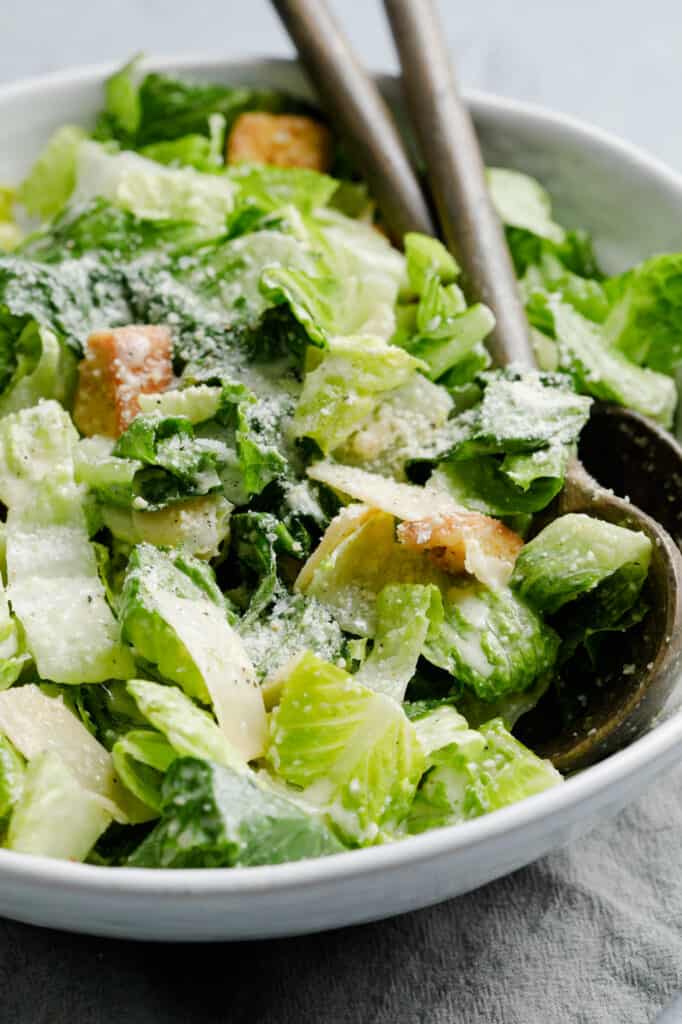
275 579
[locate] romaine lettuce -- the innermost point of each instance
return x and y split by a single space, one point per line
340 393
522 202
190 731
141 759
645 320
214 817
35 723
605 372
152 191
352 751
490 640
55 815
404 614
474 773
12 774
51 180
54 586
176 618
575 554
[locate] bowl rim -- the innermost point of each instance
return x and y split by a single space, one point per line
658 745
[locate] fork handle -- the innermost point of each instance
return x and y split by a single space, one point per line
359 113
470 225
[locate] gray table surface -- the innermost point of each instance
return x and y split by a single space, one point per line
590 934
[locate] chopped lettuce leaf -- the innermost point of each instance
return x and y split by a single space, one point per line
10 232
214 817
522 202
195 403
427 258
190 731
269 188
340 393
520 412
404 614
404 426
198 526
645 320
12 775
475 773
574 555
43 369
171 619
453 340
606 372
352 751
35 723
516 484
122 97
292 624
141 759
171 108
174 463
51 180
13 654
53 581
550 275
55 816
490 640
152 191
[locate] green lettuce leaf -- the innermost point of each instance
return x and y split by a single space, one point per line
55 816
198 151
519 412
171 108
645 320
574 555
122 98
141 759
175 616
152 191
190 731
266 188
52 178
522 202
43 368
514 485
490 640
405 613
606 372
54 584
12 775
352 751
340 393
215 817
474 773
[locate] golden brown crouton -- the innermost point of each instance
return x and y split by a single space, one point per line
449 538
119 366
286 140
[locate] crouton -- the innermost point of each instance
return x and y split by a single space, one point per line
455 542
119 366
286 140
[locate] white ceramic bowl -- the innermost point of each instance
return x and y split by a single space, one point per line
633 206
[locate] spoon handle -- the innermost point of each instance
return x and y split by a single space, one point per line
470 225
359 113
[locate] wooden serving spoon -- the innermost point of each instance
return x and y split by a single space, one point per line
648 657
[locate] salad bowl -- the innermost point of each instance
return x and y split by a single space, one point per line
632 206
